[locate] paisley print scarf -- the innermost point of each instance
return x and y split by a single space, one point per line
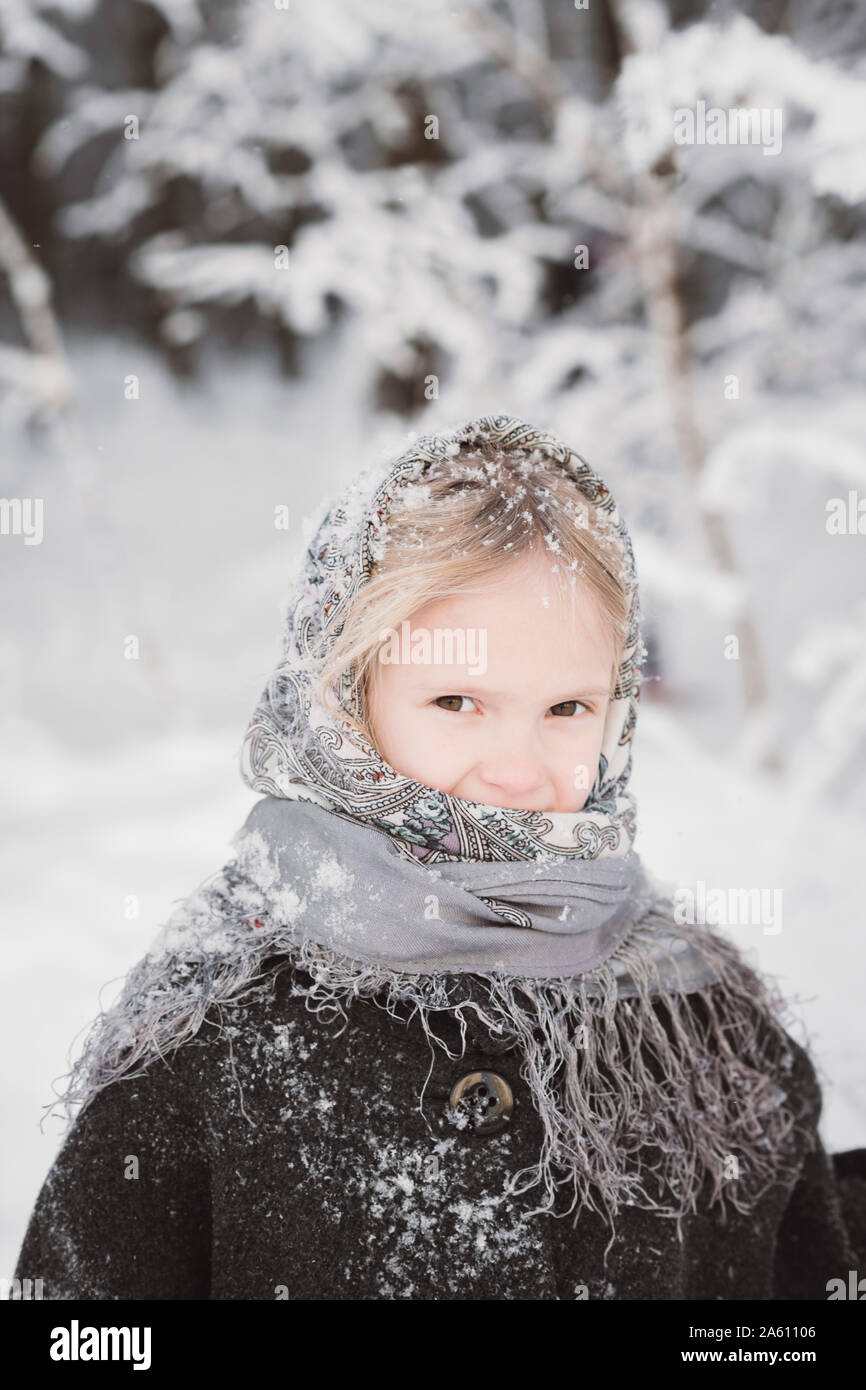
294 747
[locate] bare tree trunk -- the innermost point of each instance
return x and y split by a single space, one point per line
655 241
650 226
30 289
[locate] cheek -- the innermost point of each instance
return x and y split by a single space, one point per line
415 748
575 766
400 731
383 702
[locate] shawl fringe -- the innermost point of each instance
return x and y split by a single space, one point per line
652 1100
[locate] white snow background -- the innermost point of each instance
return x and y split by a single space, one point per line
122 776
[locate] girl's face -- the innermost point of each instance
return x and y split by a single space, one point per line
523 732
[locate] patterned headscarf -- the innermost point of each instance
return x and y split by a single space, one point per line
296 748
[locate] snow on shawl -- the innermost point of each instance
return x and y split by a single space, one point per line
645 1095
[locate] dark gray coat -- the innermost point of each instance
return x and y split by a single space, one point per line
279 1158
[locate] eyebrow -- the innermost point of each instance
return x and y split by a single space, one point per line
497 694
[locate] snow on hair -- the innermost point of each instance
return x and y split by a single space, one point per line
476 513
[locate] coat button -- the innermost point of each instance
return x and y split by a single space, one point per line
485 1098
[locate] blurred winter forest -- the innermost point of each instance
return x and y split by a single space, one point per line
247 246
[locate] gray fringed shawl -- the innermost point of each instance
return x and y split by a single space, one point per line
652 1051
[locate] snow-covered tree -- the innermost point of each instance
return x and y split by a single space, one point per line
499 198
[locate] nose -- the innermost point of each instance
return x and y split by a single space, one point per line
513 771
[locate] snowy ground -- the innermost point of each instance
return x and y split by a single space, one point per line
124 779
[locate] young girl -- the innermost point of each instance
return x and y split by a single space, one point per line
434 1032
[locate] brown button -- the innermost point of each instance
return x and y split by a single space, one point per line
485 1098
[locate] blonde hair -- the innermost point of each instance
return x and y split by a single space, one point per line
472 515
